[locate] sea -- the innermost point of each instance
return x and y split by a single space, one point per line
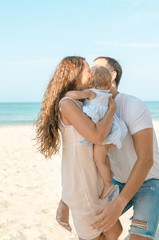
26 113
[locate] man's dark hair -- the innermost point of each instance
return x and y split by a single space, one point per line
115 66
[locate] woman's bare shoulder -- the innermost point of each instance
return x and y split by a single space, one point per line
68 102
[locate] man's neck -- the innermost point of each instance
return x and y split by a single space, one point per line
114 92
114 96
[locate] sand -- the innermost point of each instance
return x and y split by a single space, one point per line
30 190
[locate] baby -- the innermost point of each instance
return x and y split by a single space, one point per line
95 105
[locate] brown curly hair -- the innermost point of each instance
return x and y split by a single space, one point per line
65 78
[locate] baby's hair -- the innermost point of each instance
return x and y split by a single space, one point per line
101 77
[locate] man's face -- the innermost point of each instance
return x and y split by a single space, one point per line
101 62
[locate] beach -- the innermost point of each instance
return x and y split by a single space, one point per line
30 189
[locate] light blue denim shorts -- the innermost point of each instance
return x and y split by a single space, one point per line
146 208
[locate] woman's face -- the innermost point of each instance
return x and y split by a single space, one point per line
85 77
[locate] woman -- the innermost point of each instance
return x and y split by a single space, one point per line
81 184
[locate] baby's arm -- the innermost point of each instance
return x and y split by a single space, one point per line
81 94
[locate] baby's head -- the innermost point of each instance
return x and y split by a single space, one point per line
101 78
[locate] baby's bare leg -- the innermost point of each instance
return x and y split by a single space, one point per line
103 164
107 162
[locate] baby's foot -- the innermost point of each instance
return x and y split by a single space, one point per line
106 190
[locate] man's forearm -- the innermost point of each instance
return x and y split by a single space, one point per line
135 180
143 144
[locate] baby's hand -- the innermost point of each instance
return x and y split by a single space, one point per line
62 215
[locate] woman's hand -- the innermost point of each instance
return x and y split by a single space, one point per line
62 215
112 104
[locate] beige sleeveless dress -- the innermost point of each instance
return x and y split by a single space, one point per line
81 183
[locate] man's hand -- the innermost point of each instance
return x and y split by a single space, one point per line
108 216
62 215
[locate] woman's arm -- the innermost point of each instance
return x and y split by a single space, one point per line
81 94
71 114
62 215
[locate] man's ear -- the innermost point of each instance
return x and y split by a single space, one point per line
114 74
114 86
113 82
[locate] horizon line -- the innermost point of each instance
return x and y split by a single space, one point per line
41 101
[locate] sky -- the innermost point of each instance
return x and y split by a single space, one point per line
35 35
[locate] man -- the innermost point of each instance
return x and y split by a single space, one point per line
135 166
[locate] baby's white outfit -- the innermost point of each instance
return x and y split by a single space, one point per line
81 182
96 110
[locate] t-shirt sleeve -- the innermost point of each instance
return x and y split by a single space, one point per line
138 116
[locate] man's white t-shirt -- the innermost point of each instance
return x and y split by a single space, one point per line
137 117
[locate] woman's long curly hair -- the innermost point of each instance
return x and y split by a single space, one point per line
65 78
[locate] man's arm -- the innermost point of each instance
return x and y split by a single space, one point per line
81 94
143 144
